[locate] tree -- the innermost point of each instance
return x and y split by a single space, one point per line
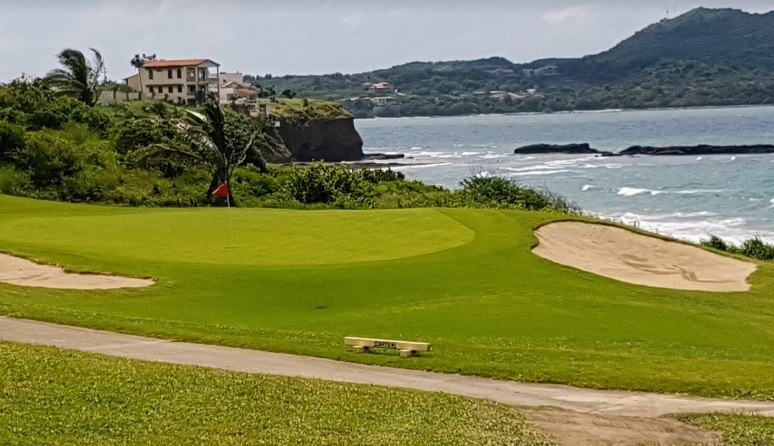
207 140
137 62
78 76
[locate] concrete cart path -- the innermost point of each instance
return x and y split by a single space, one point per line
608 402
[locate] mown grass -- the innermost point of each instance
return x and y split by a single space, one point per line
738 430
58 397
299 281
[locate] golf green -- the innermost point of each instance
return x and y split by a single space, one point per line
464 280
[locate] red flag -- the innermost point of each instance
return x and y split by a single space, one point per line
221 191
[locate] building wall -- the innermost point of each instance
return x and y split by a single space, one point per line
176 84
231 77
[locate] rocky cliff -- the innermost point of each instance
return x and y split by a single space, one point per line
323 139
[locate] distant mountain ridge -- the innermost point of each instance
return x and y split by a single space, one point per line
703 57
727 37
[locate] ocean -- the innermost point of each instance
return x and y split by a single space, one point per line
687 197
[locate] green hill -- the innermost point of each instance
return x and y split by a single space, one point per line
704 57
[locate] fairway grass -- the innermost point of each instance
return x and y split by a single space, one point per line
462 279
58 397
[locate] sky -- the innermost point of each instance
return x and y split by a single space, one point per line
323 36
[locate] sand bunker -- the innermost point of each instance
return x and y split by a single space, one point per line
634 258
18 271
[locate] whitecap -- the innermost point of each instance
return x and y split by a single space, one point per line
632 191
490 156
530 168
470 153
700 191
699 158
537 172
421 166
588 187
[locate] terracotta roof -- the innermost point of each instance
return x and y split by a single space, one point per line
167 63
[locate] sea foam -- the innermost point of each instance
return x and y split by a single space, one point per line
632 191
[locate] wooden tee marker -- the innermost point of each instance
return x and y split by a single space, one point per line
407 348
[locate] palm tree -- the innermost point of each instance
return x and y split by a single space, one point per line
137 63
206 139
78 77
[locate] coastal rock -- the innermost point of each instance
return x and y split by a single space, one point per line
382 156
556 148
701 149
322 140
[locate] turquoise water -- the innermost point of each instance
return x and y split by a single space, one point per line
686 197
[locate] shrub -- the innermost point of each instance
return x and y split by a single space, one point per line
249 181
757 249
47 118
498 192
12 182
11 140
377 176
715 242
133 134
320 183
48 159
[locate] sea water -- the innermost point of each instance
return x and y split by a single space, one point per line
688 197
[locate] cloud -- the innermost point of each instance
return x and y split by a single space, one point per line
353 21
558 16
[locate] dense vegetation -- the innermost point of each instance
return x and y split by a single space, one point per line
54 146
704 57
754 248
58 397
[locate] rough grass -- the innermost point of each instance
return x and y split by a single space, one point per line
306 109
738 430
58 397
487 304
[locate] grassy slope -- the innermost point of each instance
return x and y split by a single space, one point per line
489 306
58 397
738 430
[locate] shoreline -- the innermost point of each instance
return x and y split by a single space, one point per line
571 112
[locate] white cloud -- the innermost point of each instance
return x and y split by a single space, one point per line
353 22
558 16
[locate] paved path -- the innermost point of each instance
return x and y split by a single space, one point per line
633 404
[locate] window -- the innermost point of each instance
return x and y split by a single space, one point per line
171 89
179 88
179 73
161 89
202 88
203 74
150 74
169 73
150 89
192 88
190 74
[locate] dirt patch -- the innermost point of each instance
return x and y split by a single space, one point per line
23 272
635 258
583 429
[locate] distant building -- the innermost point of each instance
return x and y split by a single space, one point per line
382 101
379 87
237 77
231 90
182 81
